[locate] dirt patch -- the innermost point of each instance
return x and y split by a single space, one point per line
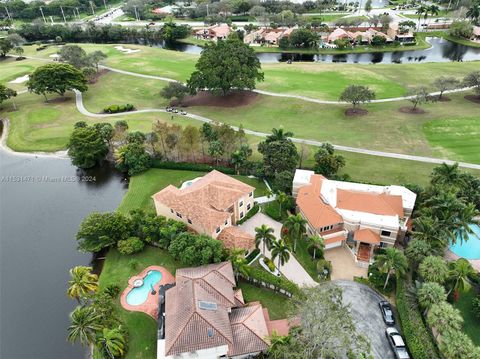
97 75
232 99
350 112
59 99
410 110
443 99
473 98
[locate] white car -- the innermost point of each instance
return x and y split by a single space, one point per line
396 342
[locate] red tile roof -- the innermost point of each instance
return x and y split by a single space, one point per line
366 235
381 204
233 237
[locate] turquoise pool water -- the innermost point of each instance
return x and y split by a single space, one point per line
469 249
139 295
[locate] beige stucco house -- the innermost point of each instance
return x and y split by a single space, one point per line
210 205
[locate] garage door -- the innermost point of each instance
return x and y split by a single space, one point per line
333 245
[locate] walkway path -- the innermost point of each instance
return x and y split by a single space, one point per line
292 270
81 108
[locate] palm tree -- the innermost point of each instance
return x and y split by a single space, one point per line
82 282
444 317
84 324
434 269
239 262
296 226
420 12
393 261
113 342
433 10
428 229
447 174
279 135
317 243
429 294
474 12
281 250
417 250
462 222
462 269
282 199
264 234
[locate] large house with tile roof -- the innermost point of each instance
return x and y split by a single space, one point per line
211 205
205 317
357 216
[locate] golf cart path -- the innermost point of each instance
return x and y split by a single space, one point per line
81 108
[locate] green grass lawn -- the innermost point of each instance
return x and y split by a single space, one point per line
276 304
304 258
117 269
10 69
471 325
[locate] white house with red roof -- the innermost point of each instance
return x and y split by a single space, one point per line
357 216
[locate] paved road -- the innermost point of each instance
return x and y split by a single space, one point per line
292 269
367 316
81 108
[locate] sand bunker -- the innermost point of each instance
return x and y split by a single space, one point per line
20 80
125 50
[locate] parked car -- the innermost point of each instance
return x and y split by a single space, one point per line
175 110
168 109
183 113
396 343
387 312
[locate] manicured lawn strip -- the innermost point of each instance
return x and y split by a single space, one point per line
10 69
117 270
471 324
276 304
465 42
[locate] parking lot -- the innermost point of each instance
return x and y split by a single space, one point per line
367 316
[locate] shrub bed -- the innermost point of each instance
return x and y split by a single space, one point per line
259 275
119 108
252 255
191 167
250 213
418 338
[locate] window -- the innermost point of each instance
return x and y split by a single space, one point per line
386 233
179 215
226 221
241 214
189 220
250 194
240 204
248 206
217 230
171 210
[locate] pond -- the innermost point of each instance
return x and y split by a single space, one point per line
441 51
42 202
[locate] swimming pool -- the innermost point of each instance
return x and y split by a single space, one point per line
139 295
469 249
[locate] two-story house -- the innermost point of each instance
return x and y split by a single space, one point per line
357 216
211 205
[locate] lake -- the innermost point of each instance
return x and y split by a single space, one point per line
441 51
42 202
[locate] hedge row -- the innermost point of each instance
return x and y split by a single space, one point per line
119 108
191 167
250 213
279 282
418 338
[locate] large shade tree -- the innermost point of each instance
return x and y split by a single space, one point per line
356 95
56 78
226 65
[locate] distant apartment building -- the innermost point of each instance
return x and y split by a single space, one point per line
358 216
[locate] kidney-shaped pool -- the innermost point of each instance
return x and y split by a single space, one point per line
139 294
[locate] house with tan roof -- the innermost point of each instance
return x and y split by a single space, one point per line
357 216
211 205
214 32
205 317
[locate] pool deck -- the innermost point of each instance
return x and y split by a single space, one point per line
150 306
450 256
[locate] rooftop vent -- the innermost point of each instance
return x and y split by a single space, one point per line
207 305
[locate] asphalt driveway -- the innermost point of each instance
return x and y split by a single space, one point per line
367 316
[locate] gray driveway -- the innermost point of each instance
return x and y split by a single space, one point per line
367 316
